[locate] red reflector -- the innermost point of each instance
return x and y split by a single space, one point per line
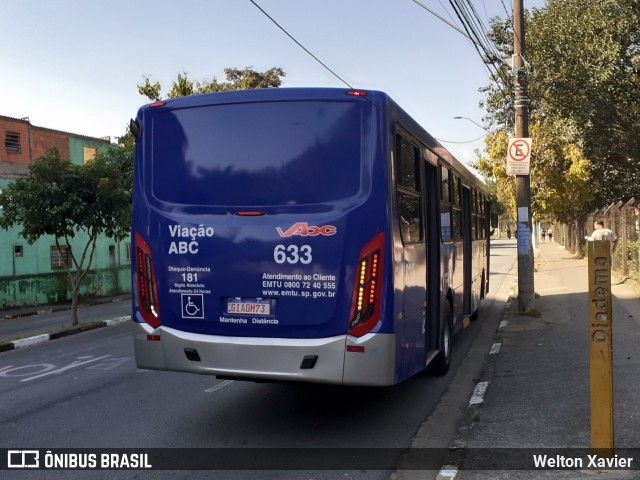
157 104
153 338
357 93
355 348
249 214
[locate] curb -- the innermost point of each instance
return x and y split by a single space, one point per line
449 470
45 337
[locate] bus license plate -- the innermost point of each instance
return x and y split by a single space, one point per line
248 307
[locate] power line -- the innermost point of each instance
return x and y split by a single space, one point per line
509 15
468 141
475 32
461 32
486 48
300 45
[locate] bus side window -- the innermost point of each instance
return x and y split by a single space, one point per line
445 205
456 211
409 193
475 233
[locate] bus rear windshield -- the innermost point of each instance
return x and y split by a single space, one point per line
272 153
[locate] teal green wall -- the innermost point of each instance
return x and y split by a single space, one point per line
55 287
30 280
77 145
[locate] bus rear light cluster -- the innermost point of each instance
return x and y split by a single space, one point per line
146 282
365 305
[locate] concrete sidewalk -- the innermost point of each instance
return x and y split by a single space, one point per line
59 307
26 326
537 393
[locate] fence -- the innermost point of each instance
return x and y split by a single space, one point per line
624 220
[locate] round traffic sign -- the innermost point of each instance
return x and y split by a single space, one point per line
519 150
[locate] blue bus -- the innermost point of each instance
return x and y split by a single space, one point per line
301 235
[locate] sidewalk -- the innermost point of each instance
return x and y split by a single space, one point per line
59 307
537 393
20 327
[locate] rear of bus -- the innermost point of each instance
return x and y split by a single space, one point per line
261 237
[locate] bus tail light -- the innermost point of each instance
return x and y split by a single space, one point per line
146 280
367 296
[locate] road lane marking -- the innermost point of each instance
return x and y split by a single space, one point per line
83 361
478 394
9 370
448 472
219 386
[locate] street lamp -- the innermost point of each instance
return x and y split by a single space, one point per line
472 121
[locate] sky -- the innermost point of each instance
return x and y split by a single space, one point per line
74 65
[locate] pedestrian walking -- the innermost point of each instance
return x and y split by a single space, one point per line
543 234
549 233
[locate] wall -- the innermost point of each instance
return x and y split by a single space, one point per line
77 146
12 164
43 140
55 287
28 279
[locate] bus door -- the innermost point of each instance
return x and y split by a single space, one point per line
432 218
467 242
410 193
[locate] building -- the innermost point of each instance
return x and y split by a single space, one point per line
34 274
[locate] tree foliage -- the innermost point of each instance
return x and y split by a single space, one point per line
586 60
583 63
236 80
61 199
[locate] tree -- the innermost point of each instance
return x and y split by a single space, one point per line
61 199
236 80
584 87
561 181
586 70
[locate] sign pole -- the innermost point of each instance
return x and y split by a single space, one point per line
526 292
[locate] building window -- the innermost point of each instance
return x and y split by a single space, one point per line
128 247
18 251
112 256
89 154
12 142
60 257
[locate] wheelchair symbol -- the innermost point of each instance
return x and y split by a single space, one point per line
192 305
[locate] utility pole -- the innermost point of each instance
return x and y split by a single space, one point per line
526 292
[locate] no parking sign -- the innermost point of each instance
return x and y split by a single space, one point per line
518 156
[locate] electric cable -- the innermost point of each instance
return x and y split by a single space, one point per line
300 45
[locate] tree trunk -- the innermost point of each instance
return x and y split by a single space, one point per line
74 304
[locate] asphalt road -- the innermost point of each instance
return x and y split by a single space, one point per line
85 391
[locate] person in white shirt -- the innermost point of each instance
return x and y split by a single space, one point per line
601 233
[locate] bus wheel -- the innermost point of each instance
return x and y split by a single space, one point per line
440 365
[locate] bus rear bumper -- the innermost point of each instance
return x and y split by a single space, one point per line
340 360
